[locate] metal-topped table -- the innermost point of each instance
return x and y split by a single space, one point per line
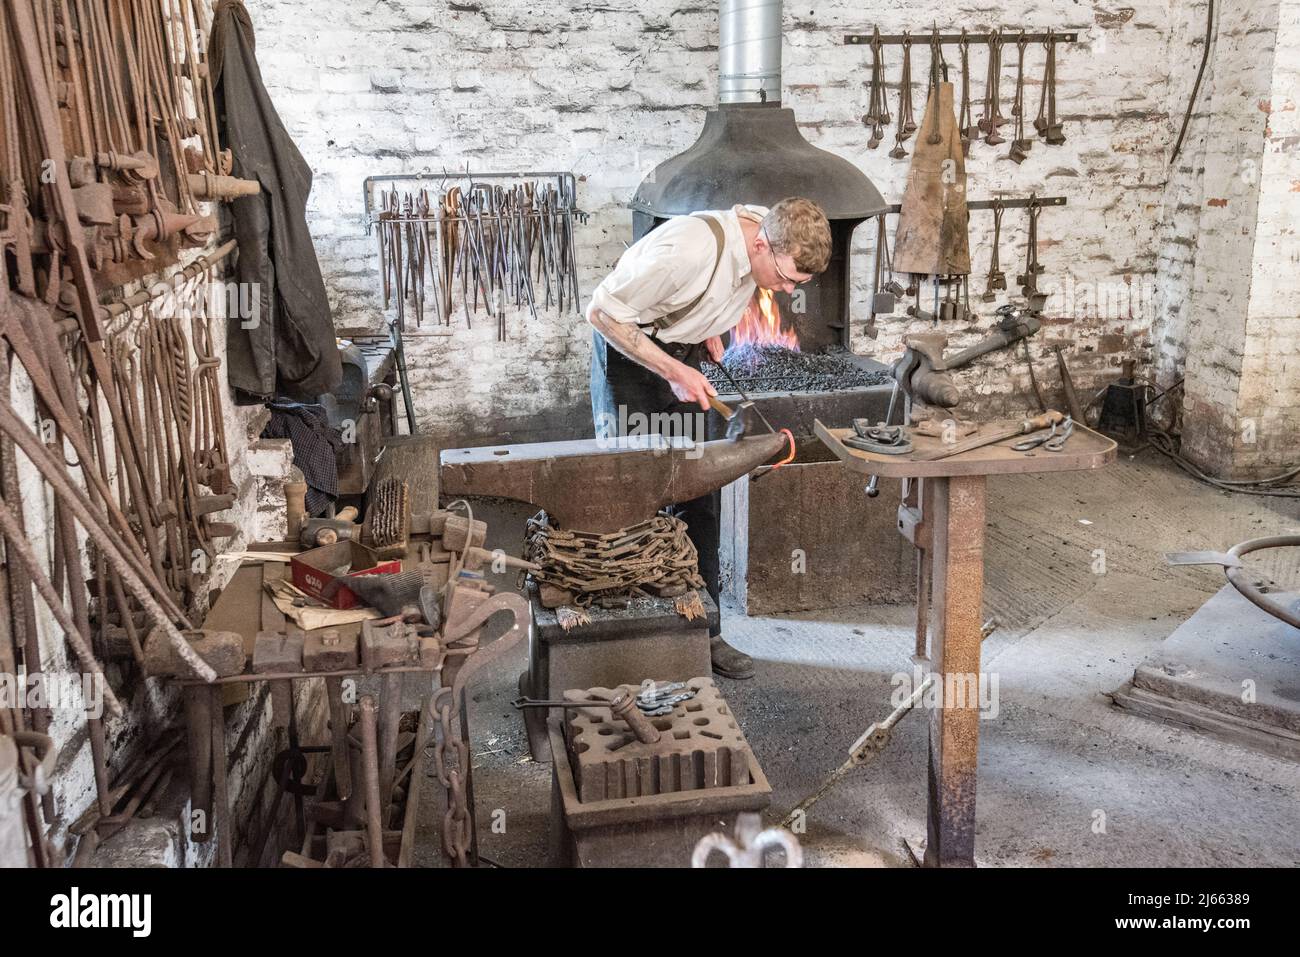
943 514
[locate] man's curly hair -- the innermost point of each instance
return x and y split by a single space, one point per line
797 227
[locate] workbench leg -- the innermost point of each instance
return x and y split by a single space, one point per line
955 512
198 719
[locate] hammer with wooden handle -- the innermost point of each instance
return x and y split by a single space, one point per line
735 418
1045 421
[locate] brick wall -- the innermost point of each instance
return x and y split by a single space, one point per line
1232 284
609 90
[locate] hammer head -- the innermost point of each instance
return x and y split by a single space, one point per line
735 418
739 420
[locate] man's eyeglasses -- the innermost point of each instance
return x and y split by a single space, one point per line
777 266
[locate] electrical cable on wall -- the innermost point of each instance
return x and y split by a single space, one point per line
1196 87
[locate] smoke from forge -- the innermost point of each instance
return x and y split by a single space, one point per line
777 369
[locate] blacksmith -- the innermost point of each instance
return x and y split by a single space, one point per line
665 308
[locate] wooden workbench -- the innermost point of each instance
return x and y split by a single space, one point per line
943 513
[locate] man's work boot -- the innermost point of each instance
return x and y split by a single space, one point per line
729 662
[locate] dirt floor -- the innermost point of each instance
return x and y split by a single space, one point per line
1065 778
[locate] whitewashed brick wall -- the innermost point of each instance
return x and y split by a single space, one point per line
609 90
1232 286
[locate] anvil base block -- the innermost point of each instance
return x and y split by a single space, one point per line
647 639
660 830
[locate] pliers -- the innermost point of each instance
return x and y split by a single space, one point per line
1053 441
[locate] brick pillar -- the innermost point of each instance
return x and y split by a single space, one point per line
1242 396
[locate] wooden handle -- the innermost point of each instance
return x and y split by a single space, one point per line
721 408
1045 421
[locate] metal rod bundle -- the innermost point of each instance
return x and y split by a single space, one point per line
135 109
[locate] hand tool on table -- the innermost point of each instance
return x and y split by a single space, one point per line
1053 441
1024 427
880 439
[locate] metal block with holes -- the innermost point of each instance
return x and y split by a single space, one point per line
620 802
647 639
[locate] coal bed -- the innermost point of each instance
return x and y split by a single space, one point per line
778 369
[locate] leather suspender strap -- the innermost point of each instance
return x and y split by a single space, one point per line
720 239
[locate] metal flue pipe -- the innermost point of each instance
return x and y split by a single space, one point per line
749 51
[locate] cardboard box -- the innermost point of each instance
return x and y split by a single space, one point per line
317 570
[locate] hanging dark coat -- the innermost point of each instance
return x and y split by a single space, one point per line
288 348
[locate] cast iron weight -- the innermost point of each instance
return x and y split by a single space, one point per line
948 308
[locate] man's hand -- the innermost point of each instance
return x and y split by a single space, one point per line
714 345
689 385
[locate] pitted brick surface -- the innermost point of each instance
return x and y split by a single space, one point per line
700 746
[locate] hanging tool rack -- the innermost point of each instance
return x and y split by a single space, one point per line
1004 203
505 239
1047 126
952 39
498 243
955 305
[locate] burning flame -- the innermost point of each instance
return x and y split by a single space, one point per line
760 325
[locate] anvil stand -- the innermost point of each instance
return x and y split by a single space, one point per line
943 516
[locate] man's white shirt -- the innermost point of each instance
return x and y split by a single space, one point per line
669 267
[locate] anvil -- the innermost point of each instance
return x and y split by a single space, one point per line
603 485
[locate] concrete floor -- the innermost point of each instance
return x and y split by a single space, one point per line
1064 777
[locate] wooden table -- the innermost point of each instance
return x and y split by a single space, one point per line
943 514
